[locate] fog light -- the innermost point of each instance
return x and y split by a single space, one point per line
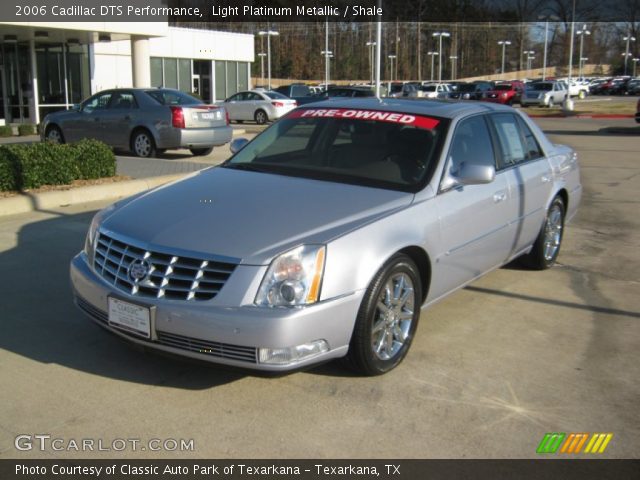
286 356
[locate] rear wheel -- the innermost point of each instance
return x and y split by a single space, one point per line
546 248
387 319
261 117
199 152
142 144
54 134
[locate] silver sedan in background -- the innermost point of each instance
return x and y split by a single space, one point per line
327 234
260 106
143 120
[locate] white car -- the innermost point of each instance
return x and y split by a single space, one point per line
544 94
434 90
258 105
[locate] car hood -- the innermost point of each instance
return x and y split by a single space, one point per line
58 116
249 216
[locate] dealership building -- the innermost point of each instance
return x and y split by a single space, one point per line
49 66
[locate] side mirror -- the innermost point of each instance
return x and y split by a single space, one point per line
473 174
237 144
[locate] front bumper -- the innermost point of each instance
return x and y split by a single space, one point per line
222 334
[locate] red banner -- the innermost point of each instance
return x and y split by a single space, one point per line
359 114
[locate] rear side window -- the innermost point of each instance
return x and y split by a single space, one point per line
123 101
512 150
532 146
471 144
300 91
172 97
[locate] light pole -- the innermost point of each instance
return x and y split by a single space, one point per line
440 35
627 39
327 54
391 59
528 53
582 62
262 55
582 33
504 44
269 34
432 55
453 59
372 46
546 19
635 64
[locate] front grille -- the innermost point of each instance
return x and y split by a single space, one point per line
168 276
204 347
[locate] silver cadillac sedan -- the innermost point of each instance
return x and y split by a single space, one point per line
327 235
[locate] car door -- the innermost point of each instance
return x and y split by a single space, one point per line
118 118
475 220
88 124
528 173
253 102
234 106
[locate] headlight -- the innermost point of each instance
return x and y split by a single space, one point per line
89 242
293 278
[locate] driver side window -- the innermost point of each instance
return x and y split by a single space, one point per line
471 144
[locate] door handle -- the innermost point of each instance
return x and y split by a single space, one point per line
545 179
499 196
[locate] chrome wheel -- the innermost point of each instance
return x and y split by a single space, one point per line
394 316
142 145
553 232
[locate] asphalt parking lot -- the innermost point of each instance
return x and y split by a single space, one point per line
493 367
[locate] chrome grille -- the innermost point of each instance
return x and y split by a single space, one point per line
206 347
169 276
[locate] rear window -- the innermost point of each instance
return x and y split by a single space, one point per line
276 96
541 87
172 97
391 150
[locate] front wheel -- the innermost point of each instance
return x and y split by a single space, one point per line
54 135
546 248
388 318
200 152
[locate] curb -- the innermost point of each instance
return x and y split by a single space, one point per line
29 202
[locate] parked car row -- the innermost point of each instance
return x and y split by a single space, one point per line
615 86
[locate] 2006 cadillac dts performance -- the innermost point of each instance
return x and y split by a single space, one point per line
328 233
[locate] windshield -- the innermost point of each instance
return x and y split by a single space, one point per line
428 88
469 87
502 87
396 150
172 97
541 87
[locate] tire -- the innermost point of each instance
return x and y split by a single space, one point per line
546 248
261 117
161 151
142 144
54 134
387 319
200 152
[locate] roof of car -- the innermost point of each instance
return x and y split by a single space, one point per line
437 108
